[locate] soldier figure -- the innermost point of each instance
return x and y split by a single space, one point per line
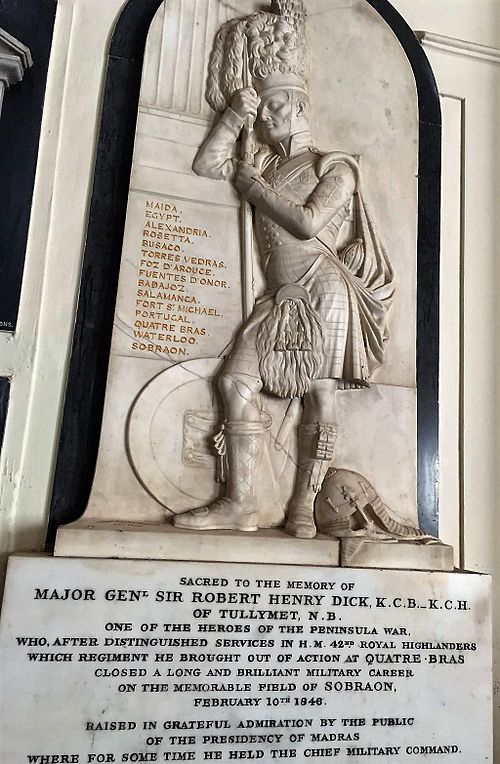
320 326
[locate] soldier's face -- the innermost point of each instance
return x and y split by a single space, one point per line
277 116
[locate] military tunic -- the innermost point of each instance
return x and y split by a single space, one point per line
301 199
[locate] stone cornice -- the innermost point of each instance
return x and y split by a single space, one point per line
459 47
15 58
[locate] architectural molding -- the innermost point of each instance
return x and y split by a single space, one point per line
15 58
459 47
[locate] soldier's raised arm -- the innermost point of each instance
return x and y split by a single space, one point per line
215 156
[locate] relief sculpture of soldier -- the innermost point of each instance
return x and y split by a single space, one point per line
321 325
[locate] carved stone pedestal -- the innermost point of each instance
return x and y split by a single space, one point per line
365 553
164 542
148 541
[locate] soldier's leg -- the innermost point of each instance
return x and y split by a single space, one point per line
317 435
240 445
240 395
320 403
244 413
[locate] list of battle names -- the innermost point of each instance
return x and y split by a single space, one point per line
178 291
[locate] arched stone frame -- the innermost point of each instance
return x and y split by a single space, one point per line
80 428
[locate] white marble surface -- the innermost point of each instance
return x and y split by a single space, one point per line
360 553
371 441
371 110
59 214
140 473
178 248
165 542
368 665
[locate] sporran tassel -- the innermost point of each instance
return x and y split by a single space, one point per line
290 348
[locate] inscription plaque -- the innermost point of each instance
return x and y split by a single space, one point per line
134 661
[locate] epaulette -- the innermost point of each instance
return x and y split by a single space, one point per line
327 161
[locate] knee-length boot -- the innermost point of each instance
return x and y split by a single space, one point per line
241 449
316 450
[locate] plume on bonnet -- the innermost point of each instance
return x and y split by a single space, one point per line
272 42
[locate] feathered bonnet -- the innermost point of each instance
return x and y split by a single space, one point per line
263 50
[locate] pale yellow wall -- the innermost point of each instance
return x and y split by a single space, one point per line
37 356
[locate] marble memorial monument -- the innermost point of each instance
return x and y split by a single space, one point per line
262 371
260 408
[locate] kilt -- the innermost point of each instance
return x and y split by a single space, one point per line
333 295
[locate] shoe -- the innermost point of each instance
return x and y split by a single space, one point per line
300 522
221 515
